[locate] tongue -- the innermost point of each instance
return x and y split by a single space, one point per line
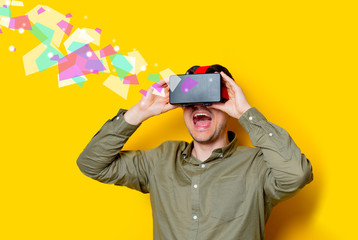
203 123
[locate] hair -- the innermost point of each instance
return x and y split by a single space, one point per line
213 68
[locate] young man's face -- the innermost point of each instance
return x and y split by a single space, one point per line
205 125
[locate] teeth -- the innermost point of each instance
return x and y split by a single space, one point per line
201 114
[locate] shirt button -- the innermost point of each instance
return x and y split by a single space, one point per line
250 118
202 165
117 117
195 217
270 134
195 186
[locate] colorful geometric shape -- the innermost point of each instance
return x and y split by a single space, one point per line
48 18
143 92
42 33
157 87
29 59
131 79
81 62
153 77
75 46
121 65
5 11
188 84
107 51
117 86
40 10
65 27
20 22
140 63
79 80
17 3
44 62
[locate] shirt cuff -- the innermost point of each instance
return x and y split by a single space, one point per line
250 118
120 126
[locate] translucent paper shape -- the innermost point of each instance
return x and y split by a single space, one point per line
78 80
143 92
42 33
121 65
79 36
188 84
117 86
29 59
104 62
96 36
5 11
153 77
44 62
158 90
131 79
5 21
139 62
74 46
20 22
48 18
40 10
65 26
17 3
173 82
107 51
157 87
131 60
78 63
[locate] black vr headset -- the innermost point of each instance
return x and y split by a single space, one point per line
197 88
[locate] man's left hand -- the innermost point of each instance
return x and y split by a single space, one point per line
237 103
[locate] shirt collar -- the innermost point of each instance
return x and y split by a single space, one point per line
220 153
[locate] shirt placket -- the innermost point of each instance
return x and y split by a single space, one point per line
195 201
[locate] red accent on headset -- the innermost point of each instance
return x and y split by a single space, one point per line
201 69
224 93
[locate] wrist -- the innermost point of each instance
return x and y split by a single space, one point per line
243 110
135 116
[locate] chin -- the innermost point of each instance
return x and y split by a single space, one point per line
202 137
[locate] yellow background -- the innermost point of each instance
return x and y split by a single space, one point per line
295 60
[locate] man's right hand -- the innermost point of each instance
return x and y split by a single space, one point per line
149 105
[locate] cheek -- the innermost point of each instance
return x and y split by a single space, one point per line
187 118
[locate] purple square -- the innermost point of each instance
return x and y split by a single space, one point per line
188 84
41 10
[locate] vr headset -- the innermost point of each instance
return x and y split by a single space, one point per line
191 89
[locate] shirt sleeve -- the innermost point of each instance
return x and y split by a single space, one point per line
284 167
103 160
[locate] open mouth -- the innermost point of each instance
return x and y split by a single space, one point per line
201 119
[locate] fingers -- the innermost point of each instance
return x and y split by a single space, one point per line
163 83
150 96
168 107
218 106
229 82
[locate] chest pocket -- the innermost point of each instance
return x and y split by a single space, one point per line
227 197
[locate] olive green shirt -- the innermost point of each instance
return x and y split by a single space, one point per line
228 196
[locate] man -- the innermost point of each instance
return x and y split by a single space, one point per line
208 189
